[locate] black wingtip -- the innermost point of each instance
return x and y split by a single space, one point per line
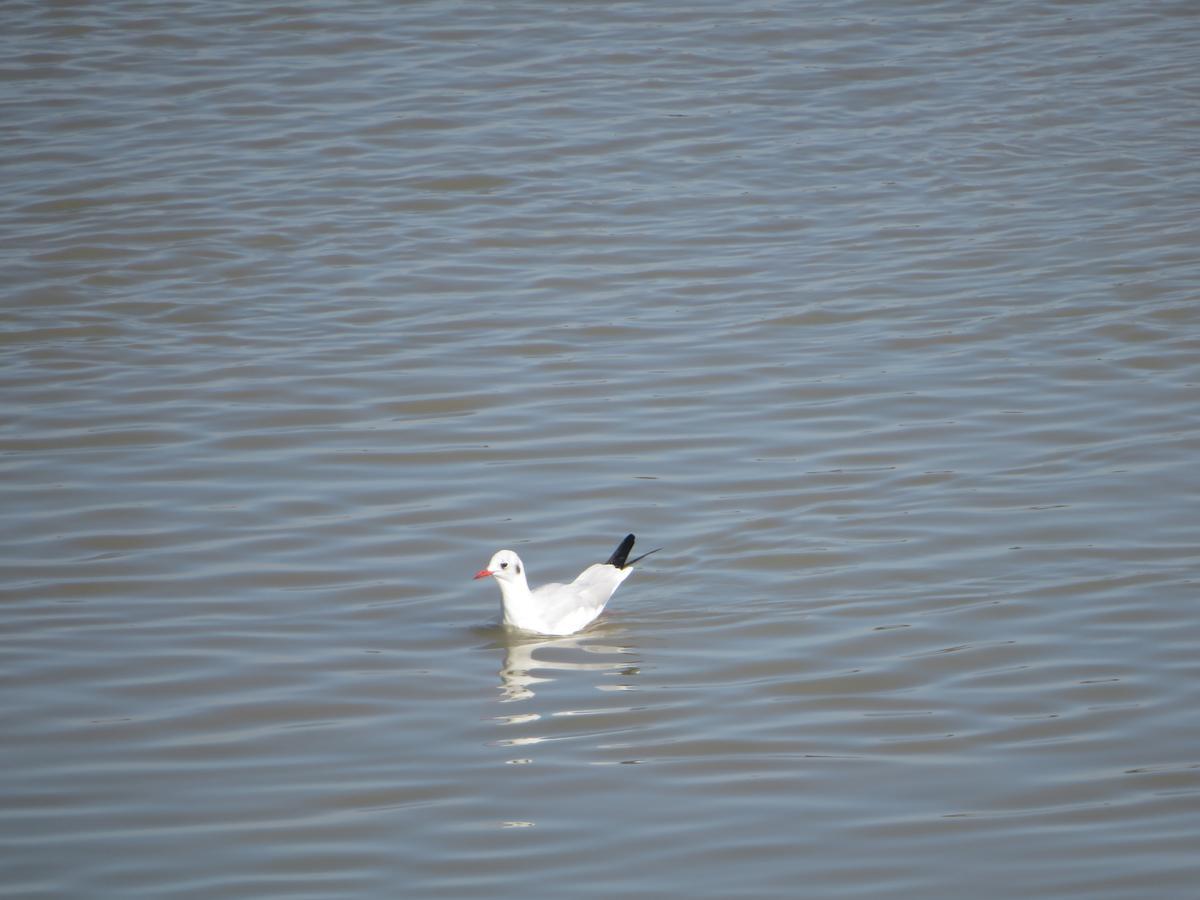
640 558
620 557
621 553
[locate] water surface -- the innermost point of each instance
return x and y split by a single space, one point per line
881 319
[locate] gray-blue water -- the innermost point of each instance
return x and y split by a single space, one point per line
883 319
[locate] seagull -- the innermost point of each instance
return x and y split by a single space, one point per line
558 608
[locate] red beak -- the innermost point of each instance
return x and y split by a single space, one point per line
482 573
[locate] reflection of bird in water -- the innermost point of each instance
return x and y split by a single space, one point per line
558 608
517 678
581 663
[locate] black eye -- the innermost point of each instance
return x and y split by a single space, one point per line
504 565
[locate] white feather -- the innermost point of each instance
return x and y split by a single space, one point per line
552 608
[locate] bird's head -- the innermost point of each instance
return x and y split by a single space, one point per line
504 566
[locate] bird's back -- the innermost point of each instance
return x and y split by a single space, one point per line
565 608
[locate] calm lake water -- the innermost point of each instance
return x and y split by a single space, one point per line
883 319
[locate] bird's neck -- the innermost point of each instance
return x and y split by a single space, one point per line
516 600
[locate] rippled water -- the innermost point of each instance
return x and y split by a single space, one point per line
880 318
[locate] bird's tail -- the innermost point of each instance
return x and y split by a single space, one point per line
620 557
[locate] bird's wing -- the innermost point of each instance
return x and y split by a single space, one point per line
596 584
571 606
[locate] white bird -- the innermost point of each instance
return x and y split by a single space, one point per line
558 608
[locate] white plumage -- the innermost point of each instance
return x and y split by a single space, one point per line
558 608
